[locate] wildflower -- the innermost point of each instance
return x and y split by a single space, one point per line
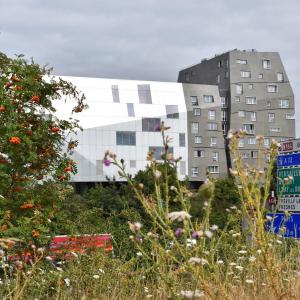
67 281
232 264
179 232
178 216
173 188
242 251
205 203
106 162
208 233
157 174
240 268
135 227
226 209
275 144
230 135
191 294
233 172
214 227
259 251
236 234
252 258
101 271
220 262
197 234
279 242
233 207
260 138
197 261
35 233
59 269
139 254
250 281
15 140
261 172
149 296
96 276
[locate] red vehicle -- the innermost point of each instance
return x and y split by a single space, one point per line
64 247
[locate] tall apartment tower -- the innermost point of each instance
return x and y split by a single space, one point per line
256 96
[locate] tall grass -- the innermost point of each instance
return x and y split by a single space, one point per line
180 256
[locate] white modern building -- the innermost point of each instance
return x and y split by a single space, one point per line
124 116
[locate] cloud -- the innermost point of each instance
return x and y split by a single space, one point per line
147 39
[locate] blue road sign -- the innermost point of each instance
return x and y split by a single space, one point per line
291 224
288 160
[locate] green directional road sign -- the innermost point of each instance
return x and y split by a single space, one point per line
293 185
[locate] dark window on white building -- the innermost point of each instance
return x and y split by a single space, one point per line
144 94
181 139
172 111
115 93
130 110
151 124
127 138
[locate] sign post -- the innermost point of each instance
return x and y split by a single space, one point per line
288 190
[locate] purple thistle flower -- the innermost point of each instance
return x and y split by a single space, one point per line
157 128
179 232
106 162
197 234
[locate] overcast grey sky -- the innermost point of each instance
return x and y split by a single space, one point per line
148 39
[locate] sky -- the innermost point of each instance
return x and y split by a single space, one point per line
148 39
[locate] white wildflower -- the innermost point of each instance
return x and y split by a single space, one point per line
67 281
227 209
191 294
178 216
252 258
135 227
233 207
197 261
259 251
96 276
232 264
59 269
101 271
157 174
220 262
208 233
149 296
250 281
214 227
236 234
205 203
279 242
240 268
242 251
139 254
